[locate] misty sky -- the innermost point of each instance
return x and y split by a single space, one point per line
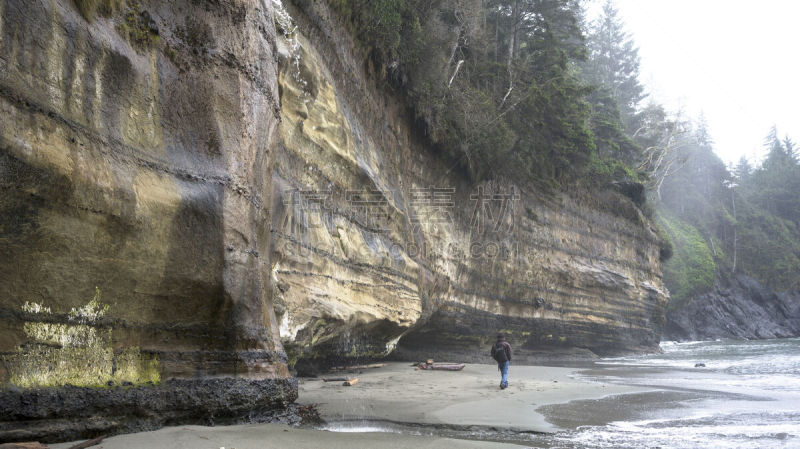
736 61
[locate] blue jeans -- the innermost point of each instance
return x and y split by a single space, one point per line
504 372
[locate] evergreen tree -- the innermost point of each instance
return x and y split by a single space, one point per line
495 85
742 170
775 184
511 100
613 63
788 147
747 219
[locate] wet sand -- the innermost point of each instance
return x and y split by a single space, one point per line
470 397
397 393
276 436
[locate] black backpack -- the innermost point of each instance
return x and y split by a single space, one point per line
500 352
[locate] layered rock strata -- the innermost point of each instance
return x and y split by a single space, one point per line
154 210
378 240
135 153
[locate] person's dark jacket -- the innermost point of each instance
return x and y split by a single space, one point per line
506 348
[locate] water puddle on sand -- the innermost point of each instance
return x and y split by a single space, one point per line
474 433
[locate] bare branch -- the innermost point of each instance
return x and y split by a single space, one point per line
455 72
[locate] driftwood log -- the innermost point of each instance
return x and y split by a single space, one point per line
442 366
88 443
26 445
356 367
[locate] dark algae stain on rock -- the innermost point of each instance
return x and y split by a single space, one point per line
70 412
18 214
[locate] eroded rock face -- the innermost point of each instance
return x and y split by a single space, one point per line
739 308
377 240
135 155
141 153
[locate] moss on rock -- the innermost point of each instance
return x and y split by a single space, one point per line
692 269
78 352
91 8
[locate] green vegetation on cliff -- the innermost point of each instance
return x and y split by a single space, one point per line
747 217
90 8
500 86
530 88
135 25
692 268
78 351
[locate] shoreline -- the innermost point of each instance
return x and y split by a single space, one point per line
398 406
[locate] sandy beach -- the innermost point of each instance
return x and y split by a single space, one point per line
470 397
436 402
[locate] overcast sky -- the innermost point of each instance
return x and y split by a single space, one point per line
736 61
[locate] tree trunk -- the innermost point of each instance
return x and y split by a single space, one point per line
735 225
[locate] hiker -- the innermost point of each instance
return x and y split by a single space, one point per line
501 351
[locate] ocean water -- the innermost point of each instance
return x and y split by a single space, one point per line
746 396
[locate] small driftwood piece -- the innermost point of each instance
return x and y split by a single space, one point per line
89 443
441 366
25 445
350 382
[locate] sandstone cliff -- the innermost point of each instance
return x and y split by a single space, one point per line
170 171
378 240
135 155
